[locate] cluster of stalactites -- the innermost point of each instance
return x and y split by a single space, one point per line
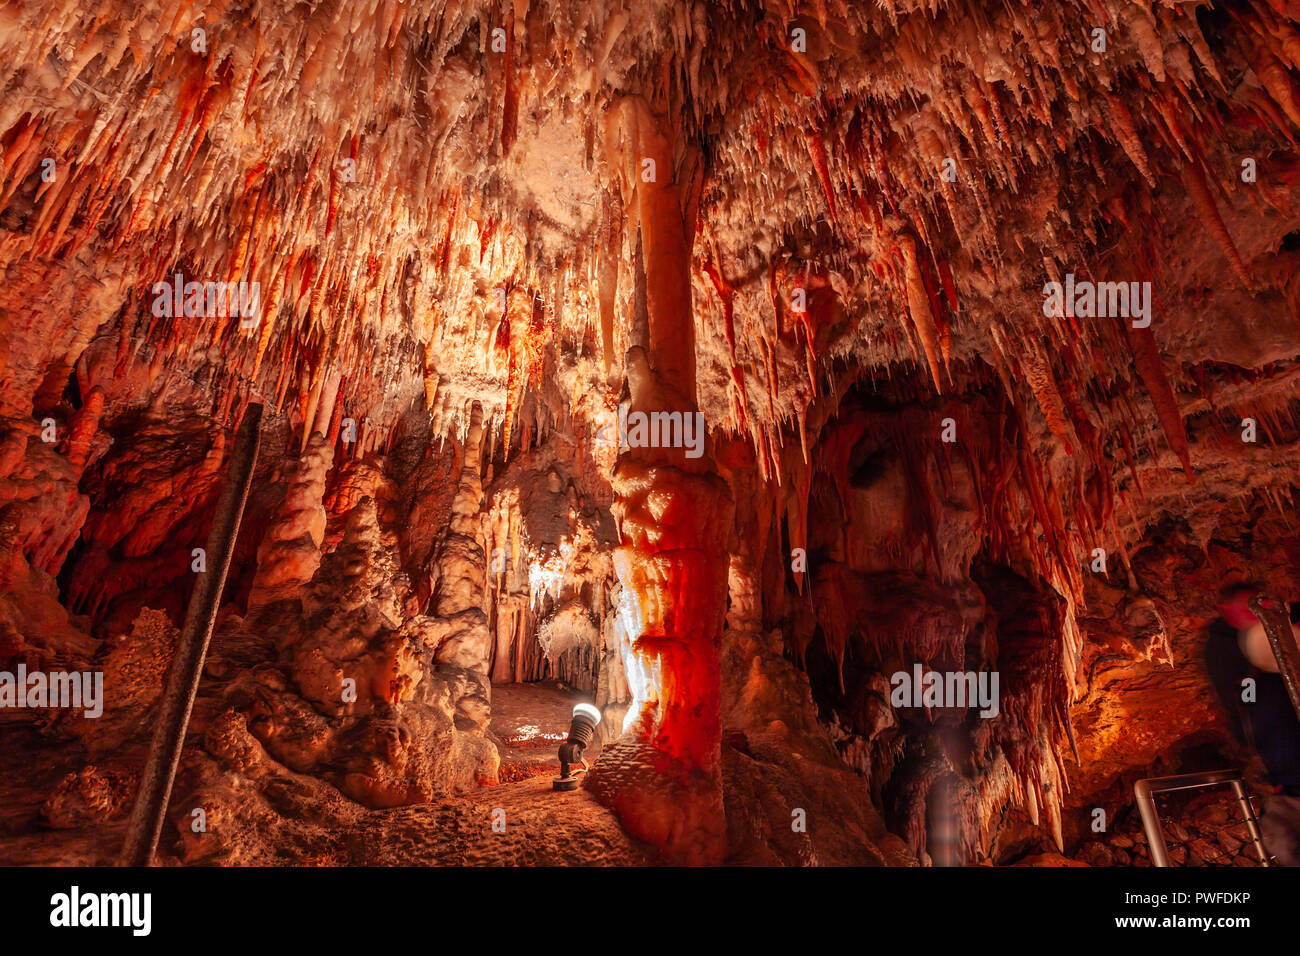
978 144
289 149
300 162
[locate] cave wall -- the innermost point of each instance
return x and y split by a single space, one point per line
838 256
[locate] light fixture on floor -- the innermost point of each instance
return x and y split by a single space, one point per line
583 728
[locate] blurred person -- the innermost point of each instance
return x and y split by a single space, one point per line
1236 648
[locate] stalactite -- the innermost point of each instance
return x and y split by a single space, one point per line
918 304
1150 368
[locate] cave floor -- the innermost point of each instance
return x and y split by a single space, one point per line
303 821
529 722
542 828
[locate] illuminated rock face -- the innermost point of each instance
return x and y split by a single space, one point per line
663 774
989 312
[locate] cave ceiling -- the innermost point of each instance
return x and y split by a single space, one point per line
968 289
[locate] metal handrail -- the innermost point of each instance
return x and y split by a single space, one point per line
1145 791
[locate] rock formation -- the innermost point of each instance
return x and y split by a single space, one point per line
988 315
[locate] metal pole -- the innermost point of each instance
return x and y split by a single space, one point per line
173 718
1151 823
1252 822
1277 625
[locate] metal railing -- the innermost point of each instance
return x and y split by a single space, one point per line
1146 790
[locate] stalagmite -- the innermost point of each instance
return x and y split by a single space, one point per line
289 554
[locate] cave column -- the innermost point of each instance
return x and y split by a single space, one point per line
674 514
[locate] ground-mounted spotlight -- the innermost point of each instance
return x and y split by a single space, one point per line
583 728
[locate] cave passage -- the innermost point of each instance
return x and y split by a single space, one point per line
800 433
